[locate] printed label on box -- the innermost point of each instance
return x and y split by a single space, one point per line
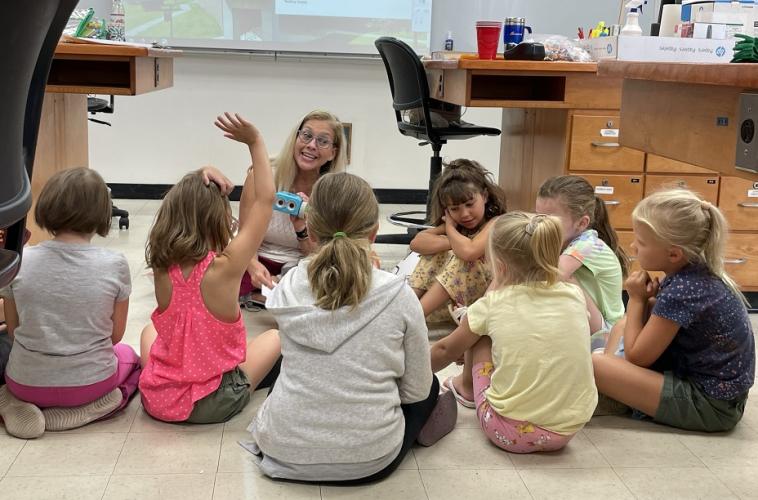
603 189
752 193
609 132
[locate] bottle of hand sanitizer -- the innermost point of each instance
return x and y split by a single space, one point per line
449 41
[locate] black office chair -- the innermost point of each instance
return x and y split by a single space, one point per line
29 45
417 115
97 105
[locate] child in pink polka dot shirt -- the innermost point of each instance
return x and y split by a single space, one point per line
197 364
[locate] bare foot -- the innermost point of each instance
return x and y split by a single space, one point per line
460 388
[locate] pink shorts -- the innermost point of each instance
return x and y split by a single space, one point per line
516 436
125 378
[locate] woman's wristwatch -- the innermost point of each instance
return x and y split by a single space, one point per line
302 234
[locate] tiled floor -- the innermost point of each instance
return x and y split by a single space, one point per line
133 456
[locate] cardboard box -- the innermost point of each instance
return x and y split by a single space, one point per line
659 49
715 31
723 12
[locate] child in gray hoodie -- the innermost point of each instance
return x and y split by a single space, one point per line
356 388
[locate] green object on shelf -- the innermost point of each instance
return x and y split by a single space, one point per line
745 50
81 28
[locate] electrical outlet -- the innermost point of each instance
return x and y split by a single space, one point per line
747 143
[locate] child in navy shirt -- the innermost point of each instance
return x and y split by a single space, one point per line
689 348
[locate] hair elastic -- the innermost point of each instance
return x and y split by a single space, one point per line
529 229
339 234
705 205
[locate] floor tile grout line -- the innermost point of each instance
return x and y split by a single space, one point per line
423 485
526 486
15 457
628 488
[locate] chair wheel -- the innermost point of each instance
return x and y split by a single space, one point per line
123 223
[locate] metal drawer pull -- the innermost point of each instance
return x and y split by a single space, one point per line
741 260
612 202
599 144
748 204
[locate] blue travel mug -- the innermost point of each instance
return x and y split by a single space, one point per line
513 31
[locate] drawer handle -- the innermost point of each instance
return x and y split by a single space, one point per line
748 204
741 260
612 202
599 144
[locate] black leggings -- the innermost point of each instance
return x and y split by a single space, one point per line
416 415
270 379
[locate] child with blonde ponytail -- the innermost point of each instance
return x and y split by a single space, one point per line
690 353
527 369
356 388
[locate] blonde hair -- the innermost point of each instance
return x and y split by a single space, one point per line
680 218
75 200
285 165
578 196
528 246
461 179
342 213
193 219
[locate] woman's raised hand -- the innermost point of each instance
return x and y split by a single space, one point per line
237 128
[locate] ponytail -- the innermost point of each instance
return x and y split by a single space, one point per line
342 214
602 224
529 245
713 249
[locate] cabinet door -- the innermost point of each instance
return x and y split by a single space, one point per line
739 203
661 165
621 193
706 187
741 260
595 146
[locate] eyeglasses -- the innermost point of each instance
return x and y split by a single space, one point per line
322 141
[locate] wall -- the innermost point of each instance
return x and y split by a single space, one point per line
157 137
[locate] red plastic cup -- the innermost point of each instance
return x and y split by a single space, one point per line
487 40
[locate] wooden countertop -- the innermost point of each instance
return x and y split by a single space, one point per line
94 49
729 75
503 65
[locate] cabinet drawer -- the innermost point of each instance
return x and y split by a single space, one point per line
591 149
621 194
661 165
706 187
735 202
741 260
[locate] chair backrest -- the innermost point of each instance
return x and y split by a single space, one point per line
28 47
407 77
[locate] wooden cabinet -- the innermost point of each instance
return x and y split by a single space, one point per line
739 203
741 260
595 146
621 193
622 177
706 187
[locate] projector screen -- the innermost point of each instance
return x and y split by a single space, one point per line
323 26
